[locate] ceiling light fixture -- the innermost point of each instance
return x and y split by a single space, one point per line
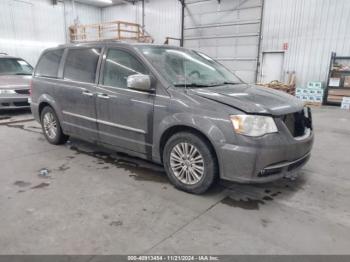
105 1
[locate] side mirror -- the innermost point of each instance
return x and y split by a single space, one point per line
140 82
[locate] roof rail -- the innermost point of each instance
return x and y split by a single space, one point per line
3 53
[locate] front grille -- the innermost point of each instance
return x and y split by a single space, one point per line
297 123
22 91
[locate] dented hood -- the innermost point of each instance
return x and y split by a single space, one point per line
252 99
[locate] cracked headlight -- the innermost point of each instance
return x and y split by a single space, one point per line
253 125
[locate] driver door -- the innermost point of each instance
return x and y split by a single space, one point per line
124 116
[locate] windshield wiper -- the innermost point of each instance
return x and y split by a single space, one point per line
226 83
193 85
22 74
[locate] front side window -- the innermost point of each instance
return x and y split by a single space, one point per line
49 63
81 64
182 67
14 66
118 66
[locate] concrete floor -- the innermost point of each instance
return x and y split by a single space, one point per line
94 202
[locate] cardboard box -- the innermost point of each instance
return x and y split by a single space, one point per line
302 91
346 100
347 81
320 92
345 106
339 92
315 98
334 82
315 85
335 99
298 91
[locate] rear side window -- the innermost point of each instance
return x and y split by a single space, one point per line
119 65
49 63
81 64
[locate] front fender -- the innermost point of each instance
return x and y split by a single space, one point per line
204 124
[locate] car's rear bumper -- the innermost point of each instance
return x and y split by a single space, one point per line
14 102
35 111
266 160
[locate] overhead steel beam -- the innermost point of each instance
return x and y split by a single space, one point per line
182 21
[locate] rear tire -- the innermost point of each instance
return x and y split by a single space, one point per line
190 162
51 127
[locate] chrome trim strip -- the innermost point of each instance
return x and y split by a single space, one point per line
124 89
79 116
105 122
121 126
65 80
306 135
286 164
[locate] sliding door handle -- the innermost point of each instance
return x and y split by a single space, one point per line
87 93
104 96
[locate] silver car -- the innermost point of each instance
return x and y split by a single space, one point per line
15 77
173 106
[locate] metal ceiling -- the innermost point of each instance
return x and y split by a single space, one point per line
105 3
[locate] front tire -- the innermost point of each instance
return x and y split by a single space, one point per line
190 162
51 127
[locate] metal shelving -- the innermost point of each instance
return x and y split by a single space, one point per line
335 94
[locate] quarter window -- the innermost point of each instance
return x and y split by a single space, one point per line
81 64
49 63
119 65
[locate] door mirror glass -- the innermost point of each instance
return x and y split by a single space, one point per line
139 82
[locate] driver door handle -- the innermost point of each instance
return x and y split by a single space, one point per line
104 96
87 93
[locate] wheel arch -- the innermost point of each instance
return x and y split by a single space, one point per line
168 133
41 107
47 100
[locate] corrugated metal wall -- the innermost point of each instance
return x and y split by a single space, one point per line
124 12
29 26
162 17
228 31
312 29
87 14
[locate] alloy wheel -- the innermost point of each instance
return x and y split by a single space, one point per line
187 163
50 125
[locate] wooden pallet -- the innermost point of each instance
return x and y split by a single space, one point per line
115 30
315 104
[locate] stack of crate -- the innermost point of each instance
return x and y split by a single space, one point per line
313 93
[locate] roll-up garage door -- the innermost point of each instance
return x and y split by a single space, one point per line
227 30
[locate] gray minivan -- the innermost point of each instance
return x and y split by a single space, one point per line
172 106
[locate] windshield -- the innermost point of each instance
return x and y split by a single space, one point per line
189 68
14 66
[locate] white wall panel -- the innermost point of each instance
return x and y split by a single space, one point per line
163 18
228 31
27 27
124 12
87 14
312 29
